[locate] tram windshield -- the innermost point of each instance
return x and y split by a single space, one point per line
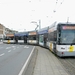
67 37
8 38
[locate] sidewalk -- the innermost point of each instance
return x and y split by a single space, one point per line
48 64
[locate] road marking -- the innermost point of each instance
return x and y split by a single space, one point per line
26 47
8 47
2 54
13 46
26 63
9 51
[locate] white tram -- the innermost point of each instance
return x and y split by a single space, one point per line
61 39
9 38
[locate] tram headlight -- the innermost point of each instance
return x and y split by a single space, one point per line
62 52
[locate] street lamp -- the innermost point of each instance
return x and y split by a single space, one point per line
37 24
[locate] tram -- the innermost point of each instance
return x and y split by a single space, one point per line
32 37
43 36
58 37
21 37
9 38
61 39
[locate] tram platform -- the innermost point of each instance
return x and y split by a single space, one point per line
48 64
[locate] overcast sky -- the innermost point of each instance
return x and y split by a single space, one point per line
18 14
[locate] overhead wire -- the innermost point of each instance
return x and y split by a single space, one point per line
56 5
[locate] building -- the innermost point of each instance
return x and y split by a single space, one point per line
4 31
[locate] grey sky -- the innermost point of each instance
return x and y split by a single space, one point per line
18 14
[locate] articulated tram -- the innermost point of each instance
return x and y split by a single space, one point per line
58 37
61 39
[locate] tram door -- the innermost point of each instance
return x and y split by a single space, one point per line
25 39
45 39
16 39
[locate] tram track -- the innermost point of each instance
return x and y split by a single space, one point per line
69 64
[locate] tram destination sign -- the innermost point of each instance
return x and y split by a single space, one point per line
32 33
68 27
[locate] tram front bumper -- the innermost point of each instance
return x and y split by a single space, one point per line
65 53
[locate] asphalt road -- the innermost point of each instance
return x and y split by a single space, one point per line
13 58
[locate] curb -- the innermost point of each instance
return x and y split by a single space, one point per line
24 68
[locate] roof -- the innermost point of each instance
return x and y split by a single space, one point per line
43 30
32 32
21 34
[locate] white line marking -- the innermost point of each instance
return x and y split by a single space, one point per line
26 62
8 47
2 54
13 46
26 47
9 51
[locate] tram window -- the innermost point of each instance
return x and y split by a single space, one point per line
20 38
41 38
52 36
12 38
34 38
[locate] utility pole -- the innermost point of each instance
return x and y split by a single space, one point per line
39 24
67 19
